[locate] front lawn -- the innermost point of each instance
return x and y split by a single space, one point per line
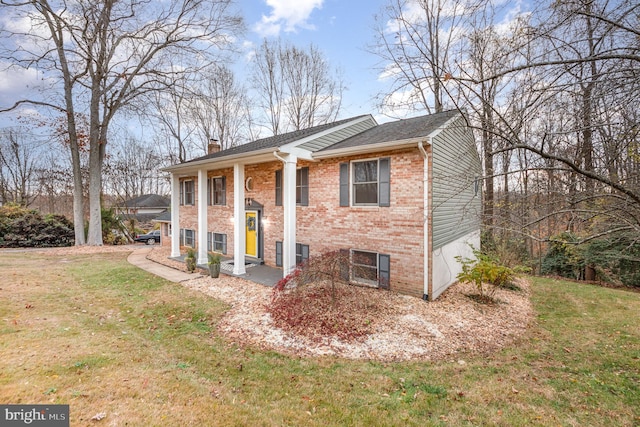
101 335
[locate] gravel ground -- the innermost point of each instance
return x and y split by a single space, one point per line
406 328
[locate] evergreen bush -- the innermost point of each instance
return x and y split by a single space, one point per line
22 228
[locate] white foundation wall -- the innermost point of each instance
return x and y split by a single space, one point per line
445 266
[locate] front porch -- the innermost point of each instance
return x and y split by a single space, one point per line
254 272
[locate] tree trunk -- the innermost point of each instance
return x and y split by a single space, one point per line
487 148
78 193
78 200
96 159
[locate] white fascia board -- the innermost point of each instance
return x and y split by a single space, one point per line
298 142
298 153
369 148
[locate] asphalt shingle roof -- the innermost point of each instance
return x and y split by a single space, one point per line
163 217
273 141
148 201
396 131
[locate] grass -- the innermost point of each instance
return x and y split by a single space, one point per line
102 336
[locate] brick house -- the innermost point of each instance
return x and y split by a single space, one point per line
403 197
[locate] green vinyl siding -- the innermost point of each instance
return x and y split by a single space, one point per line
456 208
338 135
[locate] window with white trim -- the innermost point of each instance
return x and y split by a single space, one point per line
218 191
187 237
370 268
302 187
365 182
217 242
187 192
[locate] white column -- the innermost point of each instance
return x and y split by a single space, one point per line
289 206
201 241
175 215
239 231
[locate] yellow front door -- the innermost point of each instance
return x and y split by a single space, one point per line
251 224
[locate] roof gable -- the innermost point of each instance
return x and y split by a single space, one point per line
399 130
277 141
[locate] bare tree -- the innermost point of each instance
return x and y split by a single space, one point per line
220 109
554 96
416 41
133 169
297 87
571 118
18 164
170 108
105 55
55 181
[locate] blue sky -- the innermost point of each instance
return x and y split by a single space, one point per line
342 29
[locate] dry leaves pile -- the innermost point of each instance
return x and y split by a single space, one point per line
398 327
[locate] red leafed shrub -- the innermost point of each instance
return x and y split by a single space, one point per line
321 311
316 300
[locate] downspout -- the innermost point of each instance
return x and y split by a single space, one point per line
277 156
427 226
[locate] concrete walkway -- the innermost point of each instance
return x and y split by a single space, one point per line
139 258
262 274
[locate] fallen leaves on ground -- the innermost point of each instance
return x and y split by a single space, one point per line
397 327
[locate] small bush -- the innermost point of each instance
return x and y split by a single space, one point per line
486 270
112 229
312 311
332 267
316 300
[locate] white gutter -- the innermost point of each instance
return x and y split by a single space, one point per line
367 148
275 154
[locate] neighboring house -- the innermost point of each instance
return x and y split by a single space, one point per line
164 219
143 209
403 198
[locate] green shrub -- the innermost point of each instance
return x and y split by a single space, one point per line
112 228
564 257
21 227
486 270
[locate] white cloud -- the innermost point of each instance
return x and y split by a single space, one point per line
17 81
249 49
287 16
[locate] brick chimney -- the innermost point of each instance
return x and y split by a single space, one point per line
213 146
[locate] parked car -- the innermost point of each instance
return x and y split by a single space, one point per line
150 238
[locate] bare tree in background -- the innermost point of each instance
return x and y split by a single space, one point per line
269 83
170 109
296 87
105 55
18 164
416 41
55 180
423 43
133 169
554 96
220 109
